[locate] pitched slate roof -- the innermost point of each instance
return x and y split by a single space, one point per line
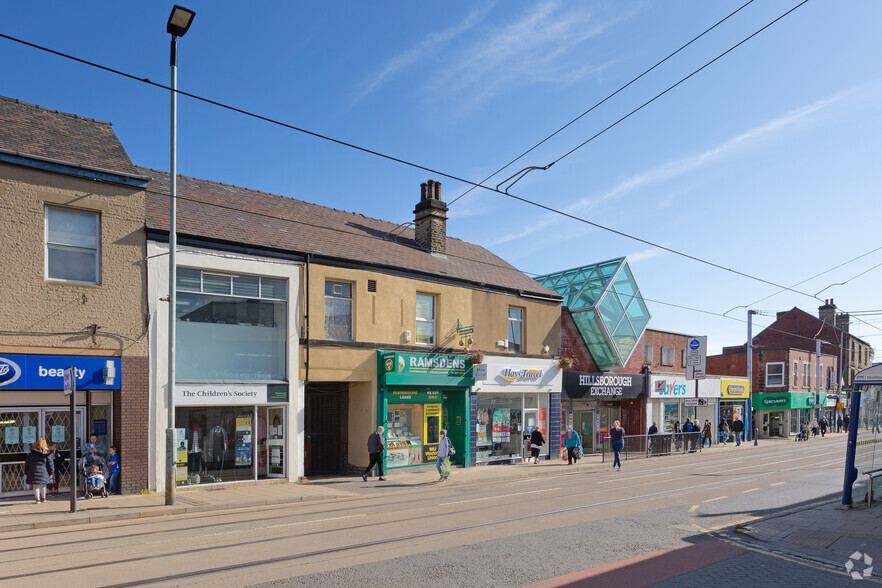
31 130
237 215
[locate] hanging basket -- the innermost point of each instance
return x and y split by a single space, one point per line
476 358
565 363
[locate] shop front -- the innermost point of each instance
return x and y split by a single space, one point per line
230 433
417 396
33 406
781 414
673 399
514 397
592 402
734 396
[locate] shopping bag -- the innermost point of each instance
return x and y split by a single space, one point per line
581 453
563 454
445 468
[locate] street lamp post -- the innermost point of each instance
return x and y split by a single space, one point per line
178 23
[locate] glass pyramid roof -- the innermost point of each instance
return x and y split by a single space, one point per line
606 306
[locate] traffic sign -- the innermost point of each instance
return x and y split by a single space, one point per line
696 358
69 381
696 402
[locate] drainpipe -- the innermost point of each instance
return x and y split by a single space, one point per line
306 321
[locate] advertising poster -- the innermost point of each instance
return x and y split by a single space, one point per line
181 473
181 456
543 420
29 435
501 425
275 456
481 423
243 423
243 451
10 436
432 435
58 433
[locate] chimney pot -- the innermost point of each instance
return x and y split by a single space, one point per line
430 218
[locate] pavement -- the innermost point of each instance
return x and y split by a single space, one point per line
815 540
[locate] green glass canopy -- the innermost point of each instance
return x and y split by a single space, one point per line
606 306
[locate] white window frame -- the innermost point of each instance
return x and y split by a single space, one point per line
807 375
351 300
647 353
780 364
668 354
520 322
432 321
47 242
794 375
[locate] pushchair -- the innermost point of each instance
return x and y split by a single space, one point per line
94 485
803 435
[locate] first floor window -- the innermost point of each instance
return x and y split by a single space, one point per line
72 245
425 319
775 374
338 311
806 375
647 353
667 356
515 329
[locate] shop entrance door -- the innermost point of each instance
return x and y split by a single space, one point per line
326 404
19 429
275 443
586 430
776 424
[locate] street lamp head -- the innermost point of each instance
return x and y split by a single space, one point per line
179 21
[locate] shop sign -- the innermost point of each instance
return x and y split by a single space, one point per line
678 387
775 401
735 388
602 385
220 394
412 396
514 375
46 372
783 401
424 368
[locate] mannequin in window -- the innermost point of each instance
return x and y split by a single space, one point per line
216 445
195 450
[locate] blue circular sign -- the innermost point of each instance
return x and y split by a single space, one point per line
9 371
694 344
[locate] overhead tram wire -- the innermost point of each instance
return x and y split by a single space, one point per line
443 174
540 143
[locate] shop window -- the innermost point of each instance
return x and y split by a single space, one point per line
647 353
72 245
338 311
775 374
667 356
515 329
425 319
414 434
230 326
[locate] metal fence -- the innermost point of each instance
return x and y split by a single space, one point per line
656 445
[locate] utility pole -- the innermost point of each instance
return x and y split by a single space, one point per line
818 404
748 414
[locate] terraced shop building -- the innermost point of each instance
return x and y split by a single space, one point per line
287 312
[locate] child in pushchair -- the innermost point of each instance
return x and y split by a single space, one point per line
803 434
95 482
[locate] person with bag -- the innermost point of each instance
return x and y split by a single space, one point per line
724 431
573 443
617 442
445 450
375 445
39 470
536 443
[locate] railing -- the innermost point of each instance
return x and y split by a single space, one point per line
657 445
872 475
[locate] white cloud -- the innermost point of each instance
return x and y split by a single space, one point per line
423 50
645 255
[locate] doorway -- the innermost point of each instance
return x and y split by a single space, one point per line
327 406
20 428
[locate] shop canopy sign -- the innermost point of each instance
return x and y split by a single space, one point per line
673 387
222 394
442 369
783 401
46 372
735 388
602 385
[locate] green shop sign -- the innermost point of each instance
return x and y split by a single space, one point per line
424 368
414 396
783 401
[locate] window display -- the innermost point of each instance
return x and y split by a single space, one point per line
503 423
413 434
217 444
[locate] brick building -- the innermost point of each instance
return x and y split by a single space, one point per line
72 291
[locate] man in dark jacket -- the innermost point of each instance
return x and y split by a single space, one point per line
738 429
375 445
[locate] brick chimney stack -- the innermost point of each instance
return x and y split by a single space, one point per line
430 217
827 312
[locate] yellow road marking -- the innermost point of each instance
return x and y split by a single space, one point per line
717 498
718 527
751 490
777 483
694 508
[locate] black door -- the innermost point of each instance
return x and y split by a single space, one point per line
326 405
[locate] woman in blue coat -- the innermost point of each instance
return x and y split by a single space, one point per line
572 443
39 469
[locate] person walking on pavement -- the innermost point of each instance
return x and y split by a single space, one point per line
536 443
707 434
738 429
39 469
375 445
845 420
839 424
814 427
572 444
724 431
443 453
617 442
653 430
822 424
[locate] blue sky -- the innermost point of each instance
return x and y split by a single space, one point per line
766 162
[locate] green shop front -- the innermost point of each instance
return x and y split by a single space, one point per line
417 396
780 414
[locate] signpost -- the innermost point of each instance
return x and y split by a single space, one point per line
696 360
696 402
70 389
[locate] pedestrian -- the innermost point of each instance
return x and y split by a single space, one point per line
653 430
443 453
52 486
375 445
707 434
113 464
617 442
572 444
839 424
822 424
724 431
845 421
814 427
738 429
688 427
536 443
39 469
678 440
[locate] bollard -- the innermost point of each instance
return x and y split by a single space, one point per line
755 435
